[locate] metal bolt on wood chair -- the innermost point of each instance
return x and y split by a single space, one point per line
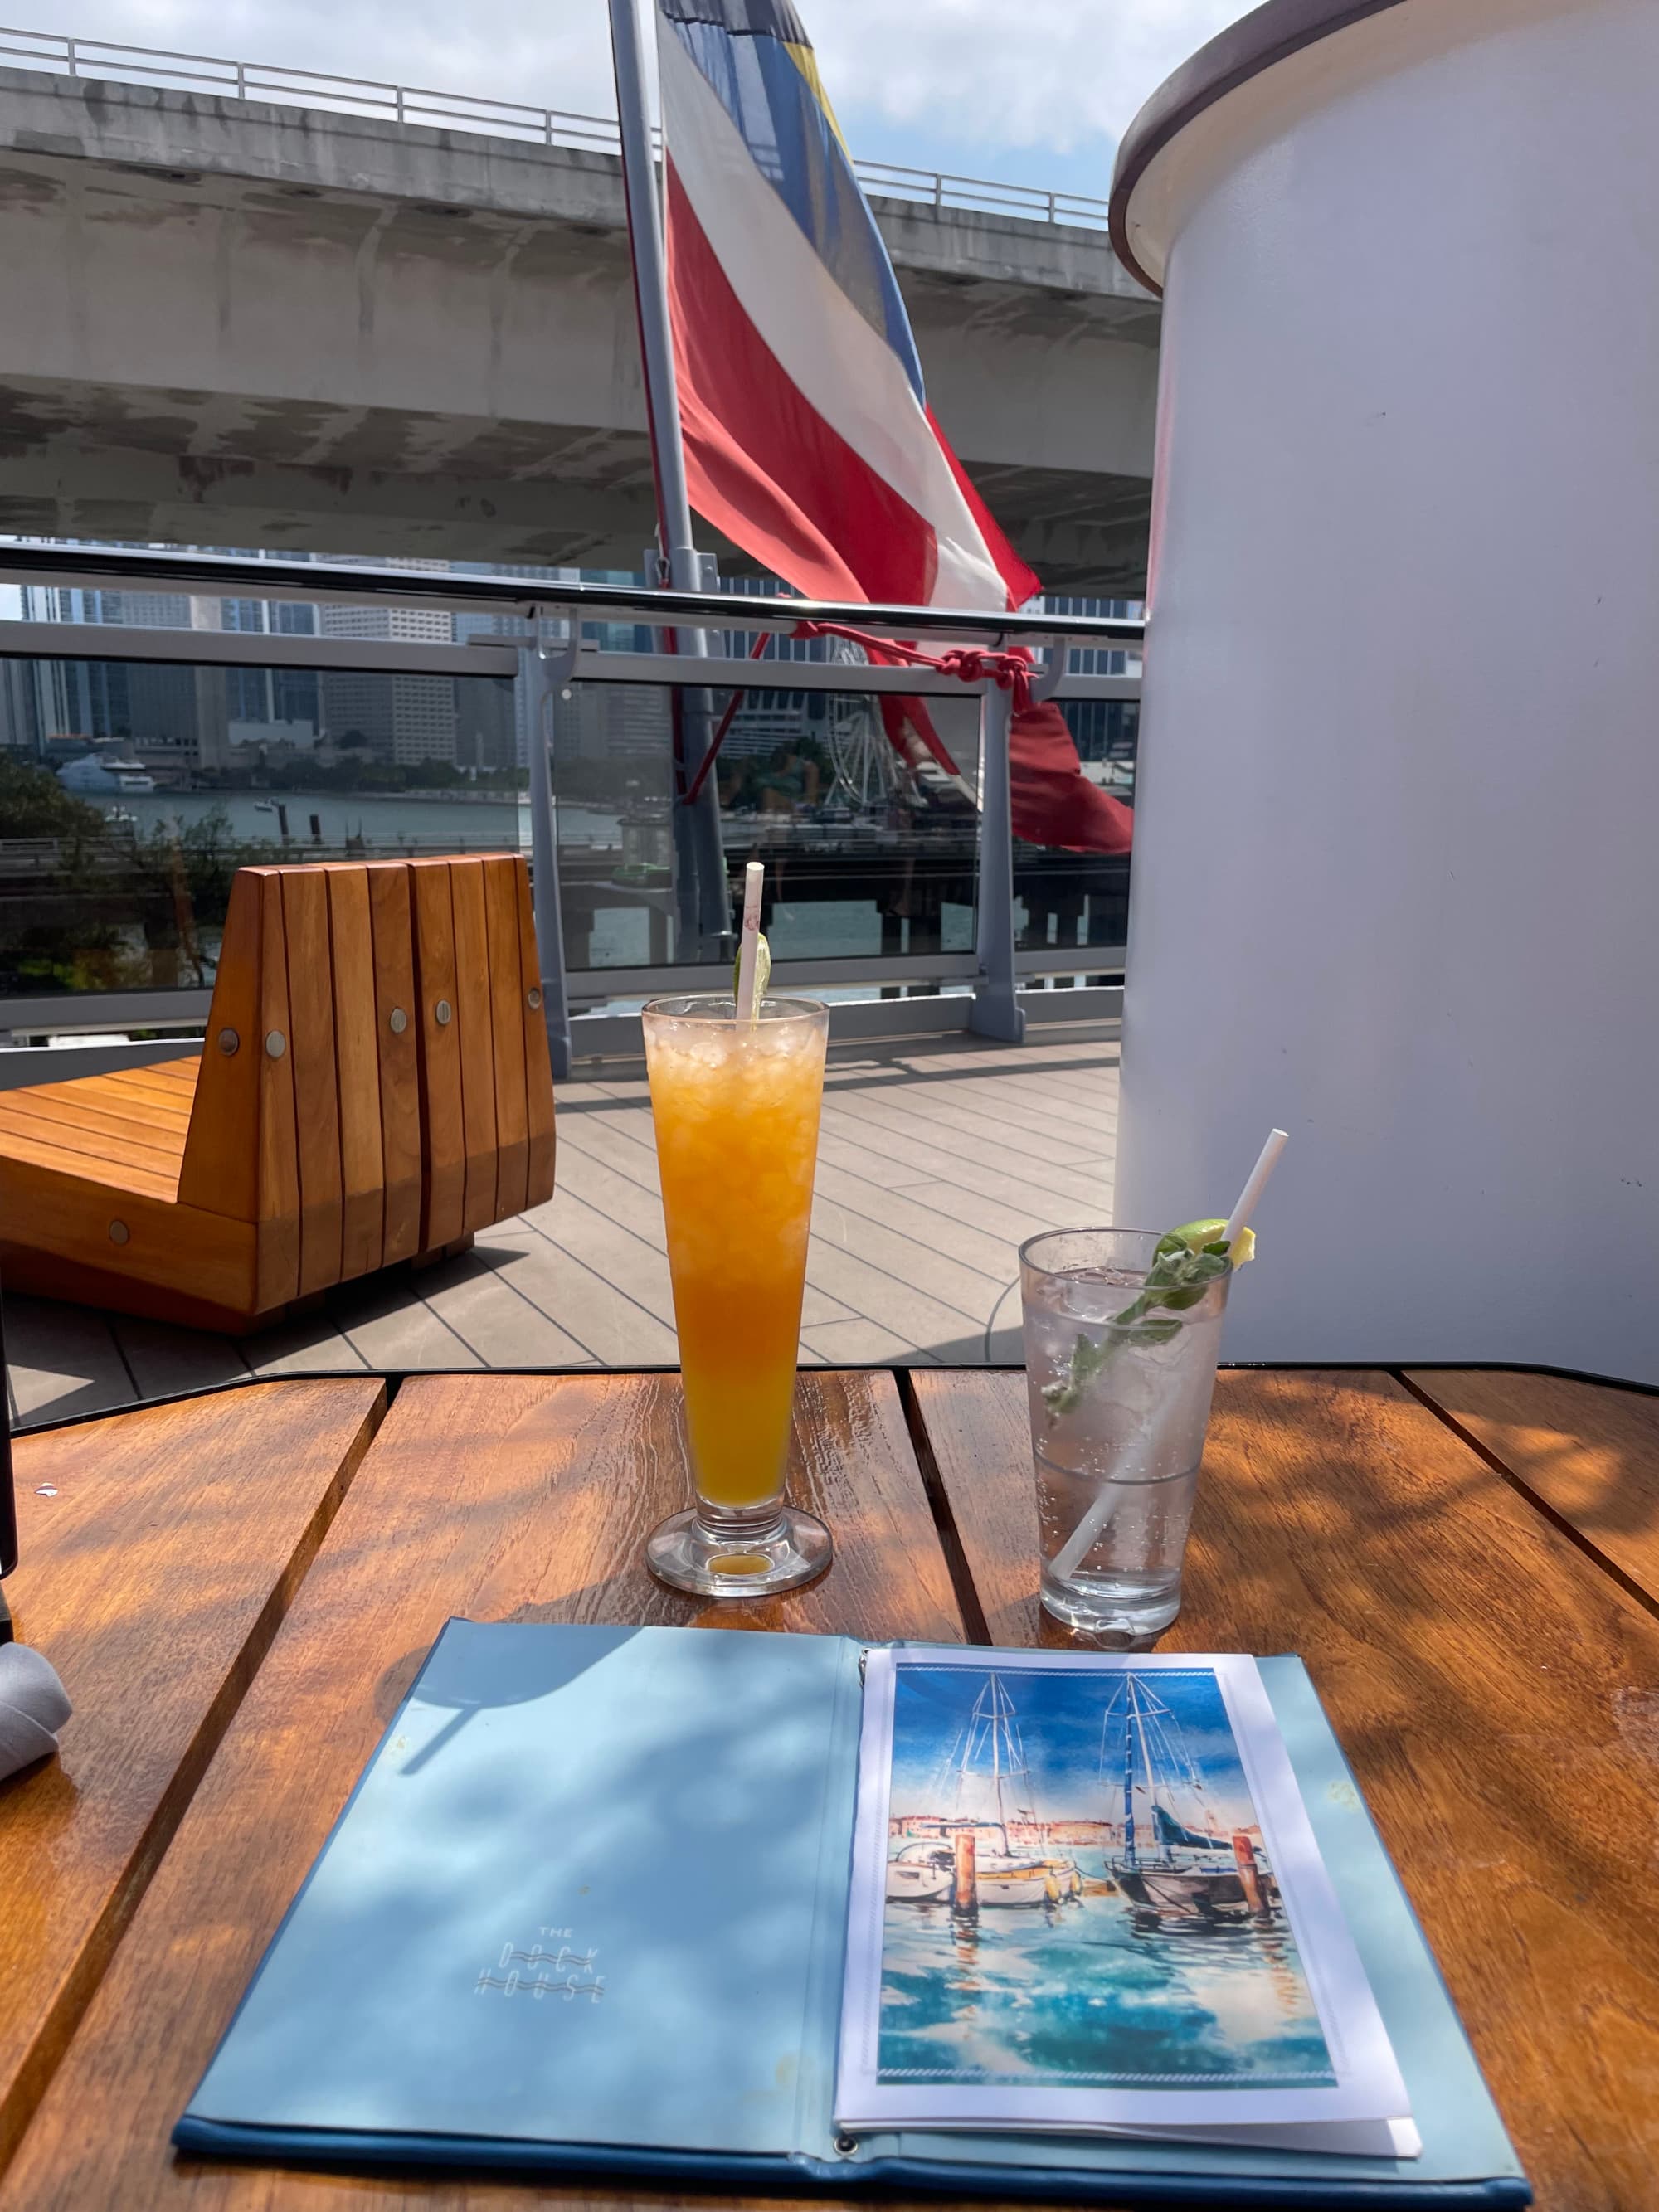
374 1086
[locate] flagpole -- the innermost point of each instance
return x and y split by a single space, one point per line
702 845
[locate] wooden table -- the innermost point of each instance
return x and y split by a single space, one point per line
238 1589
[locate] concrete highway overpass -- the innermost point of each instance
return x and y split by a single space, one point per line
233 324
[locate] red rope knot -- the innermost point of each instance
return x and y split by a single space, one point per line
1009 669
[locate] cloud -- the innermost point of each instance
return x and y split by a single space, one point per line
971 74
1044 72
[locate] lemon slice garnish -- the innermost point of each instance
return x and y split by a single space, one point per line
763 972
1195 1235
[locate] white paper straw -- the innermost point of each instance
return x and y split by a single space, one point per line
1145 1442
1239 1218
754 876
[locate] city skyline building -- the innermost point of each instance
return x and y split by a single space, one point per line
175 717
404 720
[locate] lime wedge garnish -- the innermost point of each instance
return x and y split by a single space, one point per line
763 972
1195 1235
1184 1265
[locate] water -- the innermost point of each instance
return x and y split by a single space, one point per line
1128 1584
1076 1995
1118 1418
396 825
387 825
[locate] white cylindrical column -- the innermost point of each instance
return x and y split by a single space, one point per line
1396 885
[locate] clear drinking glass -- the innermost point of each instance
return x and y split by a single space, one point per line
1120 1383
736 1109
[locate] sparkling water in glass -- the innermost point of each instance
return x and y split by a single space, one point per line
1119 1402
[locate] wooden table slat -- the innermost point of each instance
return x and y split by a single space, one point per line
158 1553
1497 1692
1590 1451
500 1496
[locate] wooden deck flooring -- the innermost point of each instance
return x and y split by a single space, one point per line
935 1163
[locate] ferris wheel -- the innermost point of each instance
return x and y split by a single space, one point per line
867 768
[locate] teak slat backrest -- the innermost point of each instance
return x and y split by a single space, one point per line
506 1037
396 1020
472 1019
311 999
241 1155
375 1080
487 1085
358 1067
443 1149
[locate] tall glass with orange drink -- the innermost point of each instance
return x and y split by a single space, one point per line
735 1102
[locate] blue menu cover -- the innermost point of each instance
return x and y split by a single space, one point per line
586 1910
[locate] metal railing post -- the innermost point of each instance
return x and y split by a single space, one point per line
996 1009
542 671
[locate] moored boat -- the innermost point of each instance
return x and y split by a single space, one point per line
1186 1874
920 1874
990 1764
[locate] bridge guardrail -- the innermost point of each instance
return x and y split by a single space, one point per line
61 54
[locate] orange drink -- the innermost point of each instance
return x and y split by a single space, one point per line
736 1109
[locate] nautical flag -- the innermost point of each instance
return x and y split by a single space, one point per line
807 436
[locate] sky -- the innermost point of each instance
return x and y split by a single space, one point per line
1035 93
1059 1716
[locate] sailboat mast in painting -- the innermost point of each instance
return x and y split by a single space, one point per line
1186 1874
979 1853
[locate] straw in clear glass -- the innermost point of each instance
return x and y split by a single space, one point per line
1086 1534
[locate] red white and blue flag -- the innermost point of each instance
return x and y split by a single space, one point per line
807 436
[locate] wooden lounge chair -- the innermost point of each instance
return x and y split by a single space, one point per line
374 1086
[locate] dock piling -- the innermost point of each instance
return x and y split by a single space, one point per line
964 1895
1249 1873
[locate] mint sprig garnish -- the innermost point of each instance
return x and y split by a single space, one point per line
1176 1280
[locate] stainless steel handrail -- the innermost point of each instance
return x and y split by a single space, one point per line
119 569
61 54
229 648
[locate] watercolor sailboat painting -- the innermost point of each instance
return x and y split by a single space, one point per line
1178 1955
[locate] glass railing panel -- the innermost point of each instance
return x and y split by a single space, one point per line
116 850
131 792
1069 903
869 841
